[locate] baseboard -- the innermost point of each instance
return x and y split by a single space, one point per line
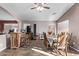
2 49
74 49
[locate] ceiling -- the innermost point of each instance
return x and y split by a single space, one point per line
23 12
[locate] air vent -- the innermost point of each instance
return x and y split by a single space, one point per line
54 13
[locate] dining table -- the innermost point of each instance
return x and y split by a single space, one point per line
52 40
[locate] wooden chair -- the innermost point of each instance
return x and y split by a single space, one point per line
28 38
22 41
38 40
63 43
25 39
46 43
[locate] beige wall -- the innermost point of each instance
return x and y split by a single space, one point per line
42 26
73 16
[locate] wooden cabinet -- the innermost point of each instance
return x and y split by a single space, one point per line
1 27
15 40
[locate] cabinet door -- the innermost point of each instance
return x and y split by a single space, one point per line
14 40
2 42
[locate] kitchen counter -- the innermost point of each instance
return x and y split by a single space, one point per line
2 42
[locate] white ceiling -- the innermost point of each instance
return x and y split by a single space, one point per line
23 12
4 15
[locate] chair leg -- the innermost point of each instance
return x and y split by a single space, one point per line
66 51
47 46
58 52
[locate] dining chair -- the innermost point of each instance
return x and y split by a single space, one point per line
63 43
38 40
28 38
22 40
46 43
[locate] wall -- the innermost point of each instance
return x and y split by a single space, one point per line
42 26
2 22
73 16
4 15
8 26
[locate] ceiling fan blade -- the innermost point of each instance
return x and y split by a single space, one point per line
35 3
47 7
33 7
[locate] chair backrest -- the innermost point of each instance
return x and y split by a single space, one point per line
45 39
22 34
63 41
30 36
26 35
68 39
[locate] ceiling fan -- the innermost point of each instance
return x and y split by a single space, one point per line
40 6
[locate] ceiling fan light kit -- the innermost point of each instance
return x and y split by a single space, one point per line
40 7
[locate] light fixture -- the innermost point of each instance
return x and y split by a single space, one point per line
40 6
39 9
